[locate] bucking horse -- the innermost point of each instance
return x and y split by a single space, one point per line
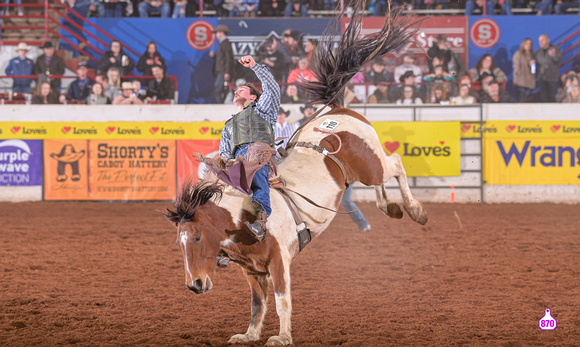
328 153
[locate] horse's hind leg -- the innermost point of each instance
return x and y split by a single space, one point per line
412 206
259 285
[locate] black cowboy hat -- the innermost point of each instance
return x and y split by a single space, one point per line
306 106
407 74
282 111
47 44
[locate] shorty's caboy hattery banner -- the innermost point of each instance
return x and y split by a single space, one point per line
428 149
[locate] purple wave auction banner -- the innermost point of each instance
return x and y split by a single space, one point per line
20 162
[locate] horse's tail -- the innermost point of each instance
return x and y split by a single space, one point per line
334 68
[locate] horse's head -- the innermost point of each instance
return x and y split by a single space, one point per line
198 235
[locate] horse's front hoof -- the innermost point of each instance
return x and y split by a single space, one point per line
280 340
240 338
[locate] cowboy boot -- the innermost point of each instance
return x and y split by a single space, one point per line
258 228
222 260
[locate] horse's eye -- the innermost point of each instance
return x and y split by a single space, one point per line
198 238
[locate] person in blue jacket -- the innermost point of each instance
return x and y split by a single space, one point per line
20 66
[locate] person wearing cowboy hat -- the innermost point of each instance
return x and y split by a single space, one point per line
21 66
80 88
49 64
128 96
408 79
409 61
284 129
223 67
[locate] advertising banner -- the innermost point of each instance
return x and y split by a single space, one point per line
20 163
187 165
26 130
427 148
454 27
132 170
533 153
66 170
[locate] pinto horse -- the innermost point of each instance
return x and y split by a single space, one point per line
320 165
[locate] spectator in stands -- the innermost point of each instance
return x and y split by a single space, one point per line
81 9
160 88
544 7
452 62
562 6
381 94
272 8
439 94
49 64
378 73
250 8
407 97
6 10
115 57
114 76
97 97
440 77
179 8
409 60
573 95
408 79
44 94
21 66
302 73
464 97
234 8
223 67
495 94
484 68
292 95
524 70
80 88
272 58
111 8
548 59
148 7
127 97
307 111
139 90
109 90
291 49
568 80
471 5
283 128
310 50
296 8
150 58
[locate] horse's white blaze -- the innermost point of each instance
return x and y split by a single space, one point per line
183 237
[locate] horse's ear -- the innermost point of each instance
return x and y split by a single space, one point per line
171 216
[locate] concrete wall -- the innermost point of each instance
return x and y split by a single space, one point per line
192 113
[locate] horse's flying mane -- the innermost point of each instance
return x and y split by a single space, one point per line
192 196
334 68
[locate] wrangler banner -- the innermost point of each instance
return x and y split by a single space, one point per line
533 153
427 148
187 165
132 170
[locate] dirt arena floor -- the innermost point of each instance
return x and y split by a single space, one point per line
110 274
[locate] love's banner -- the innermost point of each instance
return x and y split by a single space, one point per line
428 149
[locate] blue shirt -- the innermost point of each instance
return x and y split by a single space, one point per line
267 106
17 67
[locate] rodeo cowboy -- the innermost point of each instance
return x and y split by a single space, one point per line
250 129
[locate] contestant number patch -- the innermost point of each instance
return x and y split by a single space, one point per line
329 124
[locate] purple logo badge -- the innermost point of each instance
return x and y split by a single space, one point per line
547 322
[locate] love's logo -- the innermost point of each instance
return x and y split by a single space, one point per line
555 128
110 130
14 130
65 130
465 128
153 130
203 130
510 128
392 146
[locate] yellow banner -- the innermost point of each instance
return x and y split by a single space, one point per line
534 160
427 148
522 129
111 130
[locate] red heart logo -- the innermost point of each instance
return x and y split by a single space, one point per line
391 146
110 130
465 127
555 128
442 142
203 130
66 129
153 130
15 130
510 128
